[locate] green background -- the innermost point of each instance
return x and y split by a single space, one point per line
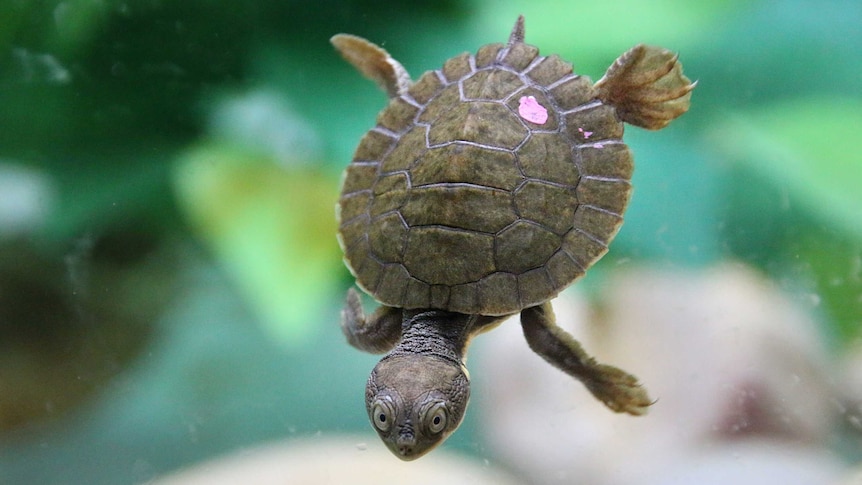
170 283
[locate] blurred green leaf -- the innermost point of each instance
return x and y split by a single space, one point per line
101 192
10 16
272 228
836 270
767 52
806 145
676 197
795 200
592 34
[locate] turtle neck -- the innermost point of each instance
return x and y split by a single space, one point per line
434 333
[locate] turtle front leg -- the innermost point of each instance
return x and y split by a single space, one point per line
619 390
376 334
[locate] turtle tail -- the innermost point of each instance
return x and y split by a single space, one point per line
374 63
517 35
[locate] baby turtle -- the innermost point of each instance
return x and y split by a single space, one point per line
486 188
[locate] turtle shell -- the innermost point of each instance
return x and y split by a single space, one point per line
463 199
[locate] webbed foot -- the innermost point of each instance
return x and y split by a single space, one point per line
646 86
374 63
617 389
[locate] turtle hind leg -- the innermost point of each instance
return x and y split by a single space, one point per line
616 388
374 63
377 333
646 86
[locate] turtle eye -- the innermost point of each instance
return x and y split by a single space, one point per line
435 418
382 415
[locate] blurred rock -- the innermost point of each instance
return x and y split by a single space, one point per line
72 318
851 390
27 196
741 378
854 478
334 460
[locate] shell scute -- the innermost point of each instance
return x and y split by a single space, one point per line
389 194
597 223
418 294
359 177
612 160
440 296
398 116
354 205
485 123
458 256
573 92
457 67
354 229
491 84
426 87
520 55
439 105
561 267
496 293
583 249
552 206
549 70
462 163
465 207
549 157
509 250
464 296
487 55
610 195
550 124
404 155
373 146
534 286
599 120
387 238
393 282
370 268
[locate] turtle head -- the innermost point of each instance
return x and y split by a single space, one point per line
416 401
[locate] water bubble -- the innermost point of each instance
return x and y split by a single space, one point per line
265 120
26 199
31 67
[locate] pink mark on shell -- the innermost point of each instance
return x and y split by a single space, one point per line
532 111
586 134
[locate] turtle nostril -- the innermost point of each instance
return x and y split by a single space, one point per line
405 450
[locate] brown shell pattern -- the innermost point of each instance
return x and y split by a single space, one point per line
454 201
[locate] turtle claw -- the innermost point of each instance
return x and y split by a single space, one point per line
618 390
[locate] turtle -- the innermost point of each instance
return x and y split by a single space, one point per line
486 188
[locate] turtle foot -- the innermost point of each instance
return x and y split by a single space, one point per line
646 86
374 63
377 333
617 389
